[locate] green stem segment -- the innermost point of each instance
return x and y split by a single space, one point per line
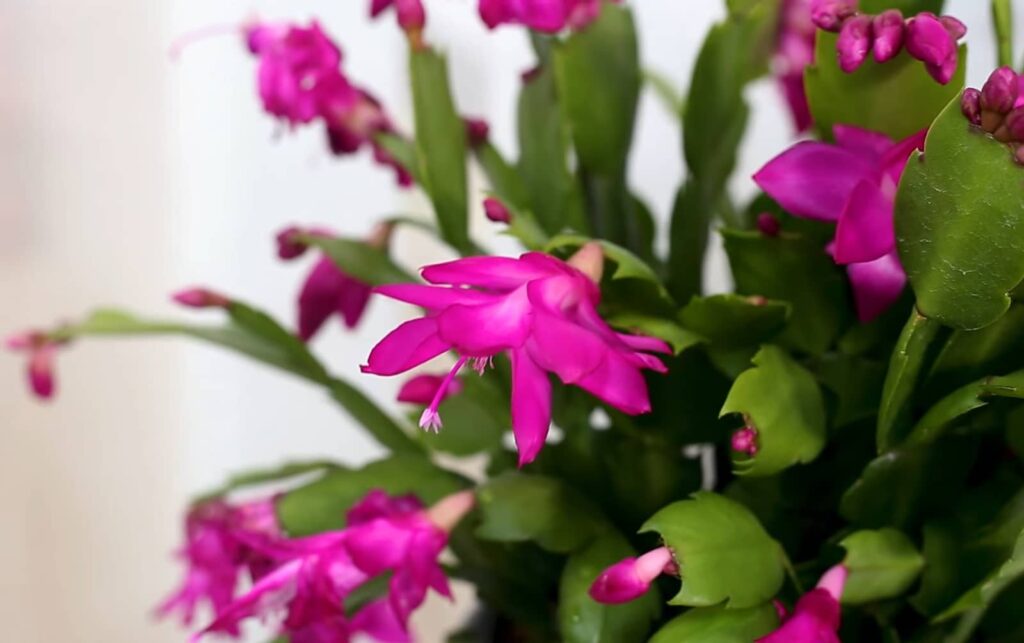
905 367
1002 20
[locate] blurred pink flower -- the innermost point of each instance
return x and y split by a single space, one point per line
816 616
630 578
41 370
549 16
794 51
422 389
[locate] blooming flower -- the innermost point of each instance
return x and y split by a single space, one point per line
42 356
538 310
327 289
630 578
794 51
852 183
316 574
816 617
220 541
549 16
422 389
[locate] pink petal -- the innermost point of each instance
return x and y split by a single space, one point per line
814 180
434 297
865 231
422 388
319 296
630 578
564 348
408 346
41 371
645 343
815 620
257 601
377 546
378 620
484 330
500 274
862 141
876 285
544 15
531 406
618 383
895 159
378 6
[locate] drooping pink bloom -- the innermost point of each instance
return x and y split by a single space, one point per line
328 290
816 616
422 389
538 310
549 16
316 574
41 370
794 51
221 541
852 183
630 578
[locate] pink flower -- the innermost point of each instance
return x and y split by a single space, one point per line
327 289
550 16
816 617
42 357
630 578
316 574
539 311
221 540
410 13
422 389
852 183
198 297
794 51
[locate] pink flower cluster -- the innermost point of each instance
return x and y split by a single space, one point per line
999 108
929 38
307 580
549 16
299 79
538 310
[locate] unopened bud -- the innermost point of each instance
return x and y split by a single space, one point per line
589 260
768 224
954 27
830 14
411 16
1000 91
289 246
854 42
745 441
451 509
496 211
970 105
477 131
889 29
1015 124
201 298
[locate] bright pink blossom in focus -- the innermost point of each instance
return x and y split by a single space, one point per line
852 183
816 616
42 356
794 51
630 578
549 16
542 313
422 389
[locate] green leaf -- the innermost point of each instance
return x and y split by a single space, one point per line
599 65
783 402
970 354
359 259
960 224
731 320
678 337
627 264
882 564
671 98
521 508
321 505
474 420
503 177
723 552
440 145
857 384
525 227
908 7
403 151
719 625
581 619
909 359
866 98
983 594
264 476
962 401
795 270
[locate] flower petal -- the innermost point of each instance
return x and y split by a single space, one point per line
876 285
482 331
564 348
865 231
378 620
531 406
433 297
408 346
501 274
320 296
861 140
618 383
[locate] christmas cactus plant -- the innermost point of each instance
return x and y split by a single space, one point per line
609 455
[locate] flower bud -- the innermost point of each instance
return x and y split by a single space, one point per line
830 14
1000 91
589 260
954 27
200 298
288 244
854 42
970 105
496 211
768 224
889 30
1015 124
928 40
477 131
630 578
411 16
745 441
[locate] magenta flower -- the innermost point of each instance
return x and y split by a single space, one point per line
42 357
630 578
221 541
316 574
852 183
550 16
198 297
794 51
816 617
538 310
422 389
328 290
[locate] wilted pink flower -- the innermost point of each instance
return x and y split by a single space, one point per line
852 183
42 357
198 297
816 616
794 51
630 578
539 311
221 540
550 16
327 289
316 574
422 389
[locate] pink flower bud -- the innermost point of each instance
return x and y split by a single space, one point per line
1018 155
745 441
288 244
768 224
496 211
854 42
411 16
41 371
1000 91
630 578
954 27
200 298
970 105
1015 124
830 14
477 131
889 29
589 260
928 40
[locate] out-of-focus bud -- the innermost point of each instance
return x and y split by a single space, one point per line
854 42
496 211
201 298
768 224
889 30
830 14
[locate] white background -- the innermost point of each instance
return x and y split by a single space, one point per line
124 176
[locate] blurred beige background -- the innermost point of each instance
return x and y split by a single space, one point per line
124 176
